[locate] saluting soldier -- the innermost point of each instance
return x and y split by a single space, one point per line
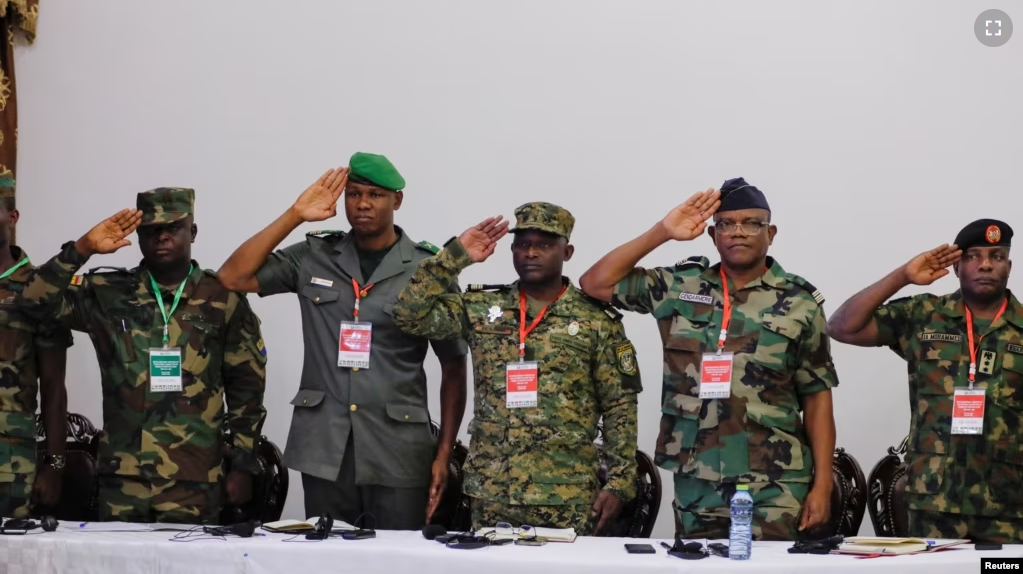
177 354
549 363
964 357
745 354
360 433
33 357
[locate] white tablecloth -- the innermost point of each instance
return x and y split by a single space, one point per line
71 551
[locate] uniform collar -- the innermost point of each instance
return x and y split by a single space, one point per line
23 273
955 307
774 277
563 306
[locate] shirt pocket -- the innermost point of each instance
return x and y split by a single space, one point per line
203 349
778 345
776 438
683 355
319 295
15 344
680 426
932 421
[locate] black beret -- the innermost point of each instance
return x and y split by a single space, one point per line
736 194
984 233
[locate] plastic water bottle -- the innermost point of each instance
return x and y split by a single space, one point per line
740 533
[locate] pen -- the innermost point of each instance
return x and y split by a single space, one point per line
123 326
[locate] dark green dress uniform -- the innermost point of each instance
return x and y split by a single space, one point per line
360 436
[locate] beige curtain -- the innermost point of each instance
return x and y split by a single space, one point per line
17 16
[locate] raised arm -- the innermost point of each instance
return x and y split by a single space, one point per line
426 306
684 223
317 203
855 321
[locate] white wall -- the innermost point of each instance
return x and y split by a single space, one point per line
877 129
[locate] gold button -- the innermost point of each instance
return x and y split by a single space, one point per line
316 298
304 401
354 408
406 417
355 369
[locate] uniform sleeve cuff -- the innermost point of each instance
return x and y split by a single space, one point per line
70 256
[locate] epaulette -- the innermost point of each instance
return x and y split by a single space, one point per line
481 287
96 270
210 272
694 261
814 292
427 246
604 306
336 232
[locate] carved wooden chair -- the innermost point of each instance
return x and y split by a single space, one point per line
887 493
79 494
638 516
78 501
453 512
848 497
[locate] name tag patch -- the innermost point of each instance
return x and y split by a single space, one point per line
694 298
943 337
1014 349
322 282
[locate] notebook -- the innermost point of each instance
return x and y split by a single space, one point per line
883 546
309 525
550 534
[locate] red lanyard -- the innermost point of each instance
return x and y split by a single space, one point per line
969 337
727 315
525 331
359 294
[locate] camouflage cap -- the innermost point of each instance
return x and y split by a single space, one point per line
165 204
377 170
6 187
544 217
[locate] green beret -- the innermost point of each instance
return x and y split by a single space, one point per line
165 204
6 186
544 217
984 233
376 170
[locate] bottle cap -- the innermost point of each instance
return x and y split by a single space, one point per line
742 487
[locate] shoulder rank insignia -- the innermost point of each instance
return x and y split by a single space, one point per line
337 232
694 261
626 355
96 270
482 287
612 313
814 292
261 347
427 246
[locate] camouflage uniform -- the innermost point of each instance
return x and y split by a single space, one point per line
161 453
960 485
539 465
20 338
781 354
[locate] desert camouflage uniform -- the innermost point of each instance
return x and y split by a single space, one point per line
781 354
539 465
162 453
20 339
960 486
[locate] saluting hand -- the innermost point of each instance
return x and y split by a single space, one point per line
110 234
319 200
480 241
689 220
932 265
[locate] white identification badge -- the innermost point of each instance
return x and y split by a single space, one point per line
716 376
521 382
356 340
968 411
165 370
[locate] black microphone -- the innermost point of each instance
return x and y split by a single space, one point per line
431 531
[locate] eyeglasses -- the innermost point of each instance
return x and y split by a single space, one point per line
524 532
748 227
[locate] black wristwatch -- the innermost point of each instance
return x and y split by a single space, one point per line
56 461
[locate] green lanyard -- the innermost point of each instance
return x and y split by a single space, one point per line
163 309
17 266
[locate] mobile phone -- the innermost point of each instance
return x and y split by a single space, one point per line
987 546
358 534
531 541
640 549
